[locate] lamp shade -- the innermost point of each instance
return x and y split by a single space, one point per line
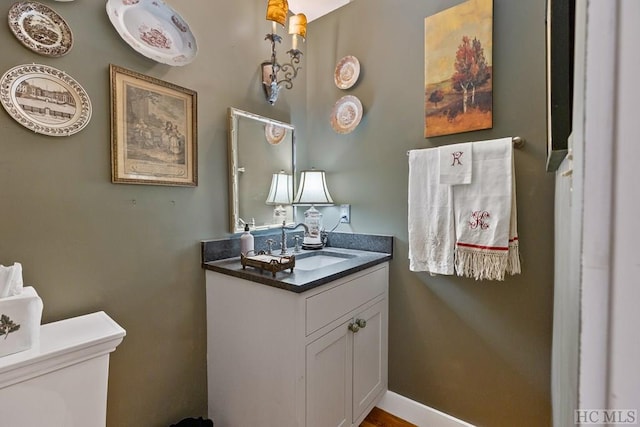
281 191
277 11
298 25
313 189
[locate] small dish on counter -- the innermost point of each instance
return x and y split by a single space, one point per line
271 263
347 72
40 28
153 29
346 114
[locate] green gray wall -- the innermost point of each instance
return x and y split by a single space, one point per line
131 250
479 351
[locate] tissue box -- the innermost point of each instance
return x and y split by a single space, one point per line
20 318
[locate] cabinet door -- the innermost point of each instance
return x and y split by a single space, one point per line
369 357
329 379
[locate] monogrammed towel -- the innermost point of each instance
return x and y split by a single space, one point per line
431 235
455 163
485 214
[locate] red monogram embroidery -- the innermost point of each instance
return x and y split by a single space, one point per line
456 157
479 219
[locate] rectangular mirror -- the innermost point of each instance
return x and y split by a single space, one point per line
259 147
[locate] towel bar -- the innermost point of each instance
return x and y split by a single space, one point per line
518 143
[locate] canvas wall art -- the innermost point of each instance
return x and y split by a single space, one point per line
458 69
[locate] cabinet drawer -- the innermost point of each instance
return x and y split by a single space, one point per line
329 305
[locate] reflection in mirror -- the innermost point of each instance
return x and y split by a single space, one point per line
260 150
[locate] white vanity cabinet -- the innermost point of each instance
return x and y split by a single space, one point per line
280 358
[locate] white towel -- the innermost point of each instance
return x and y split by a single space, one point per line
431 235
455 163
485 214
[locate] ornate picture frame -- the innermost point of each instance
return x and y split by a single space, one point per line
44 99
153 130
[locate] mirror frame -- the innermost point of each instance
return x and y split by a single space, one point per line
234 215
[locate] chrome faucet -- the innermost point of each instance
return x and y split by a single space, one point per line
283 244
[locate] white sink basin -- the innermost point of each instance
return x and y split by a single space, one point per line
318 260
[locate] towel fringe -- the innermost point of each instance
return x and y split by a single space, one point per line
513 260
481 265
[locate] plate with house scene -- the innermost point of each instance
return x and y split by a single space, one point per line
44 99
40 28
346 114
153 29
347 72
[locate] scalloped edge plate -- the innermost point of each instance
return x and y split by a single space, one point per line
346 114
347 72
40 28
153 29
45 100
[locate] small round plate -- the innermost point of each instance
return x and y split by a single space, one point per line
40 28
346 114
347 72
274 133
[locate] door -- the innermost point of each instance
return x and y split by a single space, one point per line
329 379
369 357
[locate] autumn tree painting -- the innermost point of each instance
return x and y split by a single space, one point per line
458 71
471 70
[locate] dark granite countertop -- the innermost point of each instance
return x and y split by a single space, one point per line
348 247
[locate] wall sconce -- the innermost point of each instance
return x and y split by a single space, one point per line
274 74
313 191
280 193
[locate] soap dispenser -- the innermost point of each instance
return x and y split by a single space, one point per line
246 241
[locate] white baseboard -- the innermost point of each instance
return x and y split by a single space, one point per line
417 413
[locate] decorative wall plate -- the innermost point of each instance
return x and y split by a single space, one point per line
346 114
153 29
274 133
347 72
40 28
45 100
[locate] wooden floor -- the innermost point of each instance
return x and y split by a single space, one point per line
379 418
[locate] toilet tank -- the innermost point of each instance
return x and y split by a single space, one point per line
63 381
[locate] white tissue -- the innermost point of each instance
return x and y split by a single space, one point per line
10 280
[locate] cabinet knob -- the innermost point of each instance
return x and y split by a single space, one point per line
353 327
361 322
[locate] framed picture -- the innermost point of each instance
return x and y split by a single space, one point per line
44 99
458 81
153 130
560 49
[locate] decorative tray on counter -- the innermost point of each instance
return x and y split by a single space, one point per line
270 263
